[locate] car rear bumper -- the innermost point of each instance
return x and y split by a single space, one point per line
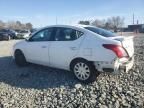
116 66
127 65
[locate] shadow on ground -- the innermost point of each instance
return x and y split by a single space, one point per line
33 76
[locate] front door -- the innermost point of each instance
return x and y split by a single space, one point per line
37 47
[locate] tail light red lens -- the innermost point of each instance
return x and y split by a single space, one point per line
117 49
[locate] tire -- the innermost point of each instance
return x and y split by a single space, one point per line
84 71
20 58
8 38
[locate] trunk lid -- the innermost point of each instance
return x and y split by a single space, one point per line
127 43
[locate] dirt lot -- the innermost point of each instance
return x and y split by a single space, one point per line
41 87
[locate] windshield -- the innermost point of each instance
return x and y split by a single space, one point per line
12 31
24 32
100 31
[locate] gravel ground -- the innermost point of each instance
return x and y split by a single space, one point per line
42 87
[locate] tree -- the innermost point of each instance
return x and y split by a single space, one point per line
108 25
98 23
18 25
84 22
116 22
11 25
28 26
2 24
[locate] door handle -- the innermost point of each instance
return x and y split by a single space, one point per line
44 47
73 48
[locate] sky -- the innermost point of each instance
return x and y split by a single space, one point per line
49 12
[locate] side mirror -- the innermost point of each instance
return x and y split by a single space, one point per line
28 38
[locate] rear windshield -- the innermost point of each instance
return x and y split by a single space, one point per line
101 32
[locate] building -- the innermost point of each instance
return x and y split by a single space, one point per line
136 28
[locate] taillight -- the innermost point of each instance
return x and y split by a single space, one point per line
117 49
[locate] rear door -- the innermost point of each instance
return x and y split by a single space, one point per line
64 47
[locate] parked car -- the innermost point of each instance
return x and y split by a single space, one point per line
4 36
9 32
24 33
33 30
77 49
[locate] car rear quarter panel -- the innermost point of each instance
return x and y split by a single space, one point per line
92 49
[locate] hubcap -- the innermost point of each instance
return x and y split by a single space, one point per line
82 71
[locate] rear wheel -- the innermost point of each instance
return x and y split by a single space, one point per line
20 58
84 71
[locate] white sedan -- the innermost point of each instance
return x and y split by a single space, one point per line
84 50
24 33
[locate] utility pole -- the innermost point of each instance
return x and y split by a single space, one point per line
56 20
133 18
137 21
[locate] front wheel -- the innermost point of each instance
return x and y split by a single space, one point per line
20 58
84 71
8 38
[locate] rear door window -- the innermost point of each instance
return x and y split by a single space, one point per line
67 34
